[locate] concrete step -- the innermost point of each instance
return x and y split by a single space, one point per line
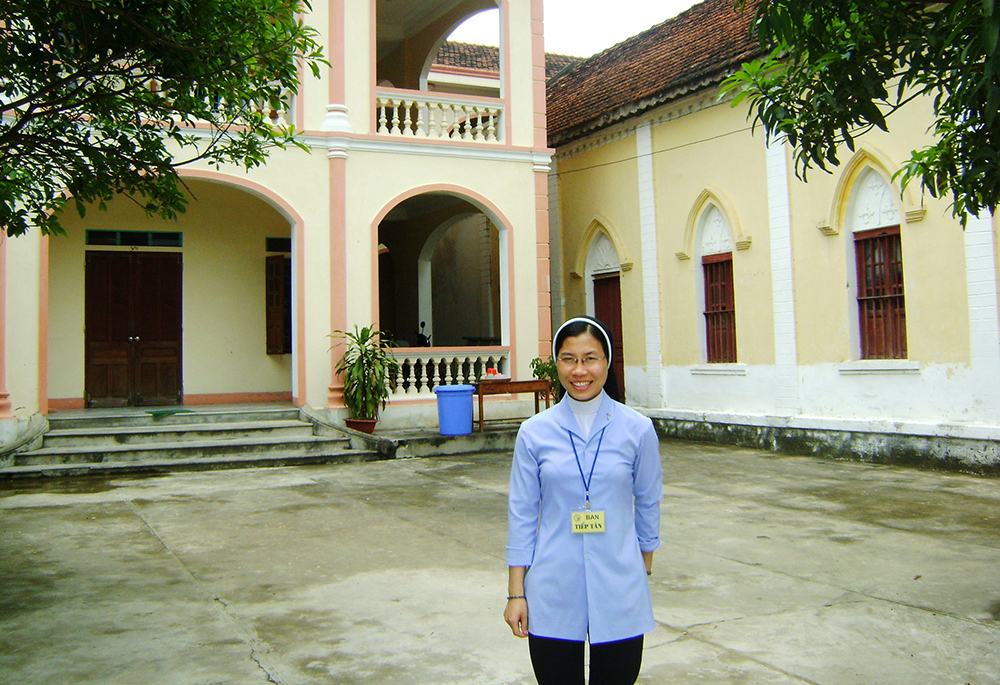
167 416
99 437
197 463
186 449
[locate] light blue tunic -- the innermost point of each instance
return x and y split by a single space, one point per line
593 583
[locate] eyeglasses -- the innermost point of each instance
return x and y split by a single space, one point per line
588 362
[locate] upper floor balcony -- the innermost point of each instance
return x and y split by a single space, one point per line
438 116
429 89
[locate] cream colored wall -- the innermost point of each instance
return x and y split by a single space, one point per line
223 235
712 149
708 152
520 80
385 179
359 79
302 181
22 343
601 185
937 317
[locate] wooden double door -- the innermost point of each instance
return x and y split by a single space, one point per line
133 328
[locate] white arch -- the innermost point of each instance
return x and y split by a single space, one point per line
602 258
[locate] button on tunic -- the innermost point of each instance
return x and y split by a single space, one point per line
591 583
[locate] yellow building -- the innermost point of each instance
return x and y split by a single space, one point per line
838 316
421 207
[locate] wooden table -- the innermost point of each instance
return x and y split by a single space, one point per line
505 386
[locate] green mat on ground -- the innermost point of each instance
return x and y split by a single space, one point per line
160 413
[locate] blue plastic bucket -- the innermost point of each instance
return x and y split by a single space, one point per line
454 409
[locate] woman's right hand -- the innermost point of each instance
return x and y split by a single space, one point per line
516 615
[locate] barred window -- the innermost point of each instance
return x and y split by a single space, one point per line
720 308
278 285
881 306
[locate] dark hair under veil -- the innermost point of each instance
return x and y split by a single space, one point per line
588 324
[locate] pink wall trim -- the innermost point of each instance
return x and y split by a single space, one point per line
254 188
238 397
538 71
66 403
336 50
338 270
474 197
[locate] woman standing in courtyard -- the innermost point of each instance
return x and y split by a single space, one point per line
583 521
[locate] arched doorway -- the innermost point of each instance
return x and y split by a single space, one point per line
604 283
143 311
440 265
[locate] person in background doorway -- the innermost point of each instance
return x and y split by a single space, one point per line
583 522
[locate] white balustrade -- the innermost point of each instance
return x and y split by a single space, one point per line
415 114
422 368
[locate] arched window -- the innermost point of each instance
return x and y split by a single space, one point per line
719 300
878 259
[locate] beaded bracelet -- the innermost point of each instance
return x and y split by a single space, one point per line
510 597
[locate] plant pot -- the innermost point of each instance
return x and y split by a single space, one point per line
363 425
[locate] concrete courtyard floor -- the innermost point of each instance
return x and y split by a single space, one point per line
774 570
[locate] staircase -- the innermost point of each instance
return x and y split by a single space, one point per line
179 438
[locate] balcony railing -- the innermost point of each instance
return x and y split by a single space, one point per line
422 368
416 114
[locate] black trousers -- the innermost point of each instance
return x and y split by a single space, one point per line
560 662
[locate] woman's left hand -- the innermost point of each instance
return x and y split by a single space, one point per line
647 558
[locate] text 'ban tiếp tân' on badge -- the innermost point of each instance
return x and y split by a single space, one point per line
587 521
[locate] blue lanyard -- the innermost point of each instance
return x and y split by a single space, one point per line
586 479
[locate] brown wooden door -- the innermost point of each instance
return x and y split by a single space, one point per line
608 309
133 328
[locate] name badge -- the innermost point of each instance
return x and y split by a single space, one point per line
588 521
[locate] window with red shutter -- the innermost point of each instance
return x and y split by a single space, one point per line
881 306
720 308
278 287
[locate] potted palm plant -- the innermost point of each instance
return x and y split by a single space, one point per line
545 369
369 368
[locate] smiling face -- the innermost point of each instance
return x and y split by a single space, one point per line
582 382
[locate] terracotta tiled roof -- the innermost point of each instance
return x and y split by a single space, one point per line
487 58
469 56
693 50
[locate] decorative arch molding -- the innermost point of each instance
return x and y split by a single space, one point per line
470 196
496 217
486 5
297 228
709 197
867 157
279 203
599 226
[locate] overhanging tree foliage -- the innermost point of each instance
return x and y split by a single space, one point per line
107 97
837 68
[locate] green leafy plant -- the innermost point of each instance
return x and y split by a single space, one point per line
545 369
369 370
108 98
834 70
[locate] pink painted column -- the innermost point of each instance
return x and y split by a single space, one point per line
338 194
541 150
